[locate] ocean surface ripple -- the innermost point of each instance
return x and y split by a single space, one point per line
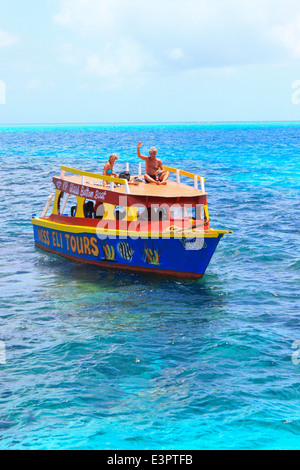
94 359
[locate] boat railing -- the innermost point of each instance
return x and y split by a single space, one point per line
179 173
111 179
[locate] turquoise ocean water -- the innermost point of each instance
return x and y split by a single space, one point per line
92 359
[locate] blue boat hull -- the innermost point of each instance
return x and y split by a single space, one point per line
180 257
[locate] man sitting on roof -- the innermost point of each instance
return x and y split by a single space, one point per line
155 172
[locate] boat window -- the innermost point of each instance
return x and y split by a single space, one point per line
119 213
192 212
153 214
88 209
197 212
160 213
142 213
67 204
178 212
99 210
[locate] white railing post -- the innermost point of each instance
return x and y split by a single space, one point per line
111 186
202 184
47 205
178 176
127 190
140 169
127 167
196 182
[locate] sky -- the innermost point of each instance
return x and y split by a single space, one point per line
98 61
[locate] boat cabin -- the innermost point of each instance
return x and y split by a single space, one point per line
88 199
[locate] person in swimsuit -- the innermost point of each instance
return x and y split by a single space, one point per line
109 166
155 172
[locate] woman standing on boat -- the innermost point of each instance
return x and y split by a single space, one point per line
155 172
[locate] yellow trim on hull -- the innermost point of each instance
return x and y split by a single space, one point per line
101 231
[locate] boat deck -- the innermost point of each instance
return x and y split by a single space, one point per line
171 189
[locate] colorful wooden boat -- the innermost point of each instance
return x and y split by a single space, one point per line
131 225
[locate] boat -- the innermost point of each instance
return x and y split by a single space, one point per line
128 224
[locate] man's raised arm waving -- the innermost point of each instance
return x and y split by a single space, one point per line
143 157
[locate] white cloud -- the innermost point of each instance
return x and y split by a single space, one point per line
176 53
289 36
120 64
71 55
7 39
87 15
124 58
39 85
170 35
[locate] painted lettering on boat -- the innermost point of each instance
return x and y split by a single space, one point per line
57 239
76 244
44 236
86 193
74 189
100 195
79 190
81 244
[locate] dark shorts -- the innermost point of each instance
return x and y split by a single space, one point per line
151 176
157 174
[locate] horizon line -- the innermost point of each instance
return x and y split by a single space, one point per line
145 122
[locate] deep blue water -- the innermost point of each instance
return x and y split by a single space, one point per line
93 359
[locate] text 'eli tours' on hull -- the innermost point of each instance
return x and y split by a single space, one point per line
129 224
